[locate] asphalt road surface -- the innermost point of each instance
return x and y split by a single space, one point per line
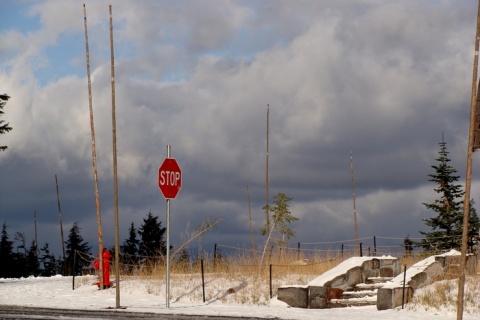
20 312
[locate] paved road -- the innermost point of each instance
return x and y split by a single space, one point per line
19 312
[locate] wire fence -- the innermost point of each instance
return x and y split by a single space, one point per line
231 258
273 264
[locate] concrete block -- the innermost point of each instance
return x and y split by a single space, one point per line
386 272
296 297
389 298
418 280
375 264
369 273
354 276
317 297
337 282
384 299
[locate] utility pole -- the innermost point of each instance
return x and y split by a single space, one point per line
251 225
36 239
115 184
474 103
267 214
94 155
61 228
354 204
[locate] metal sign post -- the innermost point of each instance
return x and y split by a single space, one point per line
170 183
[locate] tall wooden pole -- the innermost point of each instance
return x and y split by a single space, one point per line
267 213
354 203
36 239
61 228
115 184
94 155
466 203
251 225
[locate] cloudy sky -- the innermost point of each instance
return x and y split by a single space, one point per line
381 79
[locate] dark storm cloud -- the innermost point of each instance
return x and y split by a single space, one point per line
380 79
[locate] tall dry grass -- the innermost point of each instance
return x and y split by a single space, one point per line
233 279
242 279
442 295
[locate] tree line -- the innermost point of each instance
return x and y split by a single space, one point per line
148 241
21 260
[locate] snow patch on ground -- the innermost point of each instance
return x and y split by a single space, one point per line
146 296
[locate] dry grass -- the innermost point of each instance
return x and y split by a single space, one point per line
238 279
241 279
442 295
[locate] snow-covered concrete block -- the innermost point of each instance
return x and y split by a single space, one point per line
389 298
294 296
317 297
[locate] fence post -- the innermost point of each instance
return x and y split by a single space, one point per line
214 256
298 251
342 250
361 250
73 278
375 246
404 278
203 279
270 254
271 295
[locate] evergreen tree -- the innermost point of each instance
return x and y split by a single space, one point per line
473 227
281 218
4 127
20 256
152 237
48 261
408 245
7 264
129 249
74 243
447 224
33 264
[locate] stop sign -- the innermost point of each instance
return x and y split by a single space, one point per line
169 178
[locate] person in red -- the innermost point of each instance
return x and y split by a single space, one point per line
106 256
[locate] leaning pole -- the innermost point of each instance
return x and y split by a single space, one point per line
94 155
466 203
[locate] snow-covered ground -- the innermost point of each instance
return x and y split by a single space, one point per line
149 296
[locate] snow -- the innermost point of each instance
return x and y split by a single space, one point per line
341 269
139 295
417 268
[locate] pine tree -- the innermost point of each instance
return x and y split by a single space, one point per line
281 218
473 227
408 245
48 261
7 264
33 264
4 127
129 249
75 243
447 224
151 237
20 256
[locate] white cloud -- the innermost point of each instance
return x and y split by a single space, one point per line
383 79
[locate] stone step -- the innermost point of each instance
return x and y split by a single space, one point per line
378 280
371 286
358 294
354 302
363 294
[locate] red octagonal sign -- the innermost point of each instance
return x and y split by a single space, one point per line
169 178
